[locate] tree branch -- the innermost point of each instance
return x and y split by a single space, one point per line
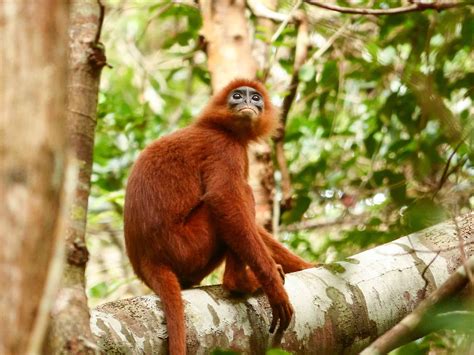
446 171
415 6
260 10
301 54
403 332
338 307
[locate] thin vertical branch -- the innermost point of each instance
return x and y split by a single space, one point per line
446 171
301 55
100 22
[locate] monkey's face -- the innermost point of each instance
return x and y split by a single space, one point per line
246 102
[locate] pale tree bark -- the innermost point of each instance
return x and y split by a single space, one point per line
229 50
228 44
33 62
408 328
341 307
70 330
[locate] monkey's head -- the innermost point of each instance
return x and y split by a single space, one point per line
243 108
246 103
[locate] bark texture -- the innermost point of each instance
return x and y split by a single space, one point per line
229 51
407 330
228 43
34 156
70 330
341 307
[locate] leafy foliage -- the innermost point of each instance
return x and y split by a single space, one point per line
379 118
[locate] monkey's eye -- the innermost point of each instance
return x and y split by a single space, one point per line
256 98
236 96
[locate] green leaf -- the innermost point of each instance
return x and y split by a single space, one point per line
370 145
277 352
330 74
398 189
301 205
422 214
306 72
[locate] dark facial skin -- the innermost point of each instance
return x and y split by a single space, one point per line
246 102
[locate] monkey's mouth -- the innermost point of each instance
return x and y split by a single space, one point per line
248 112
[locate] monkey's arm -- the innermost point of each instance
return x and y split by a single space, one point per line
230 200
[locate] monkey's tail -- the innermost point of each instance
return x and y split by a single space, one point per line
165 283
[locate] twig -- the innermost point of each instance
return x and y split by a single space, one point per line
288 19
260 10
445 174
330 41
415 6
404 330
97 56
157 14
100 22
457 166
423 275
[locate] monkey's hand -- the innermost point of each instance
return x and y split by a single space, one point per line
282 312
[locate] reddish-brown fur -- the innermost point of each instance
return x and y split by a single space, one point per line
188 207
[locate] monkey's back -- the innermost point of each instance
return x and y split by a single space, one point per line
163 187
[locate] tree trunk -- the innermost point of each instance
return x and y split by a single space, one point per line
70 330
34 156
229 51
341 307
228 44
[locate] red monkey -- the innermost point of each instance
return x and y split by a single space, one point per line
188 207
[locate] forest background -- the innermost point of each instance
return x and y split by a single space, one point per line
378 141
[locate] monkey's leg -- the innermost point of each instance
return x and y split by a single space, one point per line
237 275
195 279
164 282
200 251
289 261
